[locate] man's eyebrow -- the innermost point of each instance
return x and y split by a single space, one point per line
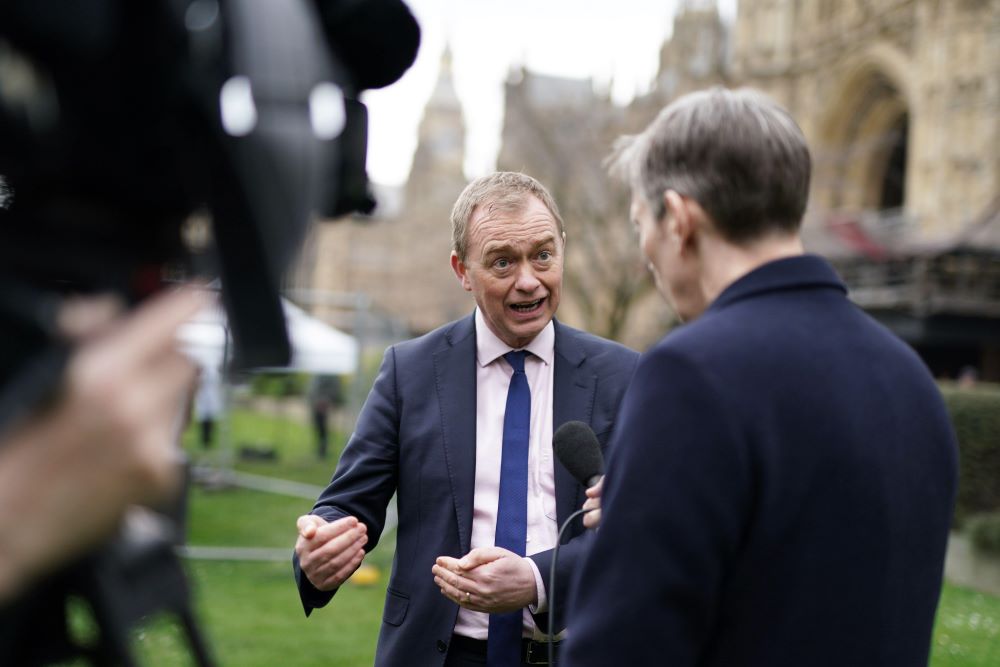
493 247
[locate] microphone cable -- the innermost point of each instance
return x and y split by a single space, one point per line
552 581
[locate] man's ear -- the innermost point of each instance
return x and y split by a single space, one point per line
461 271
681 219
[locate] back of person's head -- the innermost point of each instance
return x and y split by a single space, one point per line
502 191
737 153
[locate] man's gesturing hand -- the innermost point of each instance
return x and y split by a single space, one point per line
329 553
487 579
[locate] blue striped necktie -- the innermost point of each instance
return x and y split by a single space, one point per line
503 646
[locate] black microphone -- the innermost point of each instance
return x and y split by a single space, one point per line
577 449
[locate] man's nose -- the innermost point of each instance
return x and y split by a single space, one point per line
526 280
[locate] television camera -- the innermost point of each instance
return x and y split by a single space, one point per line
120 122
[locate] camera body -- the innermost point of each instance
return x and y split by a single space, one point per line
120 120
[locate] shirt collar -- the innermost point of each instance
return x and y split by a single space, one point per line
489 347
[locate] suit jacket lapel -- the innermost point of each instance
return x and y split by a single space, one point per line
572 400
455 380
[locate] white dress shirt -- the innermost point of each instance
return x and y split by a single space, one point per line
493 375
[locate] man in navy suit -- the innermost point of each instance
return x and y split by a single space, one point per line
786 473
434 431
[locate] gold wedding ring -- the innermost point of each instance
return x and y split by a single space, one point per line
468 597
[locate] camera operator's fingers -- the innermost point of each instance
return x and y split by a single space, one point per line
166 384
81 317
101 367
152 395
158 457
152 328
132 417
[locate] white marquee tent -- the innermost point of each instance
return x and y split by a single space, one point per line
316 346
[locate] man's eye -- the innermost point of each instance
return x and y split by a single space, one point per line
545 255
501 263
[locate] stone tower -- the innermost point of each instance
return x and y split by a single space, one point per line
398 258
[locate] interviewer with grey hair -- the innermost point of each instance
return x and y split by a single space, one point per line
788 482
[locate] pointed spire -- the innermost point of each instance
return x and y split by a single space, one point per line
444 95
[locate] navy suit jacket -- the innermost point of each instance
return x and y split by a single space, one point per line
785 495
416 437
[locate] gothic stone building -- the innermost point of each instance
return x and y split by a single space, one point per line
394 264
900 102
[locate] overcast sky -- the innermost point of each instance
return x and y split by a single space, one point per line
615 44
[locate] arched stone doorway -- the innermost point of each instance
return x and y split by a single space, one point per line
863 149
893 194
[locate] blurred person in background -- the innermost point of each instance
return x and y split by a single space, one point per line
786 476
208 404
968 377
325 395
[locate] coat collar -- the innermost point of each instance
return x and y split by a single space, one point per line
574 392
788 273
455 383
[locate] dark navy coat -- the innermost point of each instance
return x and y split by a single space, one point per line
781 493
416 437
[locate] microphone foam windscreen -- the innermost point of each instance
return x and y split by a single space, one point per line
577 449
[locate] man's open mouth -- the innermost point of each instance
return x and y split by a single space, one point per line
527 306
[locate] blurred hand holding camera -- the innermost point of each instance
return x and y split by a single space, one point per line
106 442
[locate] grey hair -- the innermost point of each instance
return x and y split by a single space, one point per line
505 191
737 153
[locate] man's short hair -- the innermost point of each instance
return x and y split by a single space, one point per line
737 153
502 191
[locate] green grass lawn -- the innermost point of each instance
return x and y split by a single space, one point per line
252 616
240 517
251 612
967 629
293 444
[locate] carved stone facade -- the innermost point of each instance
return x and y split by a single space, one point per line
900 102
